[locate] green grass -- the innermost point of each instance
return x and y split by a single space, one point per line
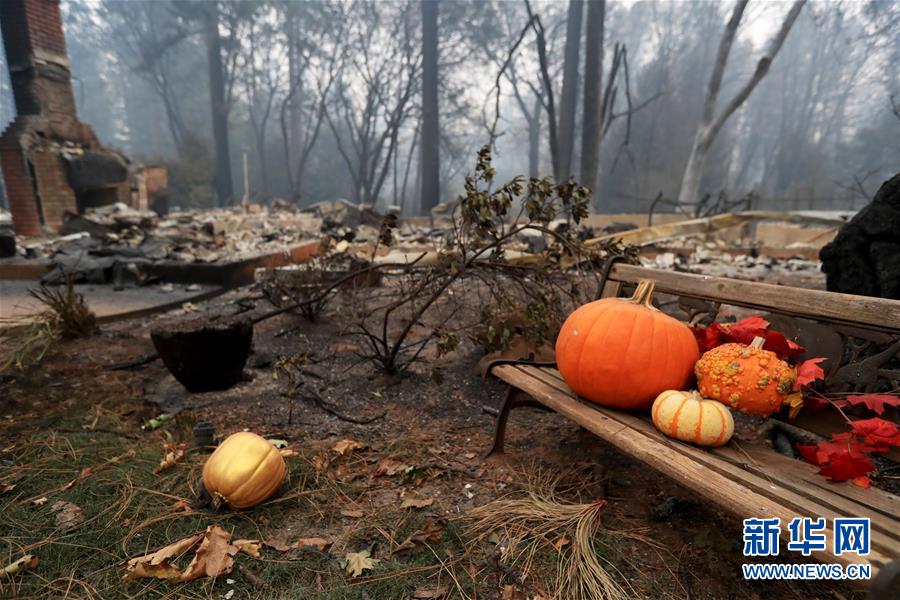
127 512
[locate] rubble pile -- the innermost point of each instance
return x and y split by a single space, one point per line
719 258
112 243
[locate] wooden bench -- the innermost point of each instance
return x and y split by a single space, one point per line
861 338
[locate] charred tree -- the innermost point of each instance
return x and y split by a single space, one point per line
430 146
593 83
218 106
568 98
710 123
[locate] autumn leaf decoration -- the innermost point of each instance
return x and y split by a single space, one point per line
846 456
743 332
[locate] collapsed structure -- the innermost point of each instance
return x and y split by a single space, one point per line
52 163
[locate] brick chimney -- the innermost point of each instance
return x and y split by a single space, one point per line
37 147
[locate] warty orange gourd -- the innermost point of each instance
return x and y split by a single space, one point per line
746 378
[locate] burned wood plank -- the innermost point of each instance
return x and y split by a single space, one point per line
842 308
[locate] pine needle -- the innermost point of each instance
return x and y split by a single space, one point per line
536 521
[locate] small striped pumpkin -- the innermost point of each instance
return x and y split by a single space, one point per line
691 418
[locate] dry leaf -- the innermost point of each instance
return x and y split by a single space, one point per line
180 505
413 502
511 593
795 401
346 446
156 564
430 593
279 444
276 544
287 452
214 556
560 542
173 453
344 347
68 515
29 561
429 534
163 570
354 514
313 542
249 547
357 562
7 487
86 472
390 467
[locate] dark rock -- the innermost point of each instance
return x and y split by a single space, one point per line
7 244
204 356
864 257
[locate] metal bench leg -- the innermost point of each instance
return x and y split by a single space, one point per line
500 423
886 585
514 399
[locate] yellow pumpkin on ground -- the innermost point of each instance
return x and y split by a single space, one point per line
689 417
243 471
746 378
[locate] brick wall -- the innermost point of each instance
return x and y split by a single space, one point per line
58 106
45 25
52 187
19 190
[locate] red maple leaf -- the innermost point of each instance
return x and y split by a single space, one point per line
844 466
874 402
862 481
709 337
839 460
776 342
745 330
809 452
813 403
877 434
809 371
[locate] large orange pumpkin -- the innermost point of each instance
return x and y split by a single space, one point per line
623 352
243 471
746 378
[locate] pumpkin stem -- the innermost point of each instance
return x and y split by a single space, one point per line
644 293
758 342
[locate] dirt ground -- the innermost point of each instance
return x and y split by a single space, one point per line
69 413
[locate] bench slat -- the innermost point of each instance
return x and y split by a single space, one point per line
804 497
728 485
815 304
799 476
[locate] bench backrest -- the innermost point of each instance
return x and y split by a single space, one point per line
859 335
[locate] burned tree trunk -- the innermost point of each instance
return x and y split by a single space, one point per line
593 84
568 99
864 257
219 110
431 167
